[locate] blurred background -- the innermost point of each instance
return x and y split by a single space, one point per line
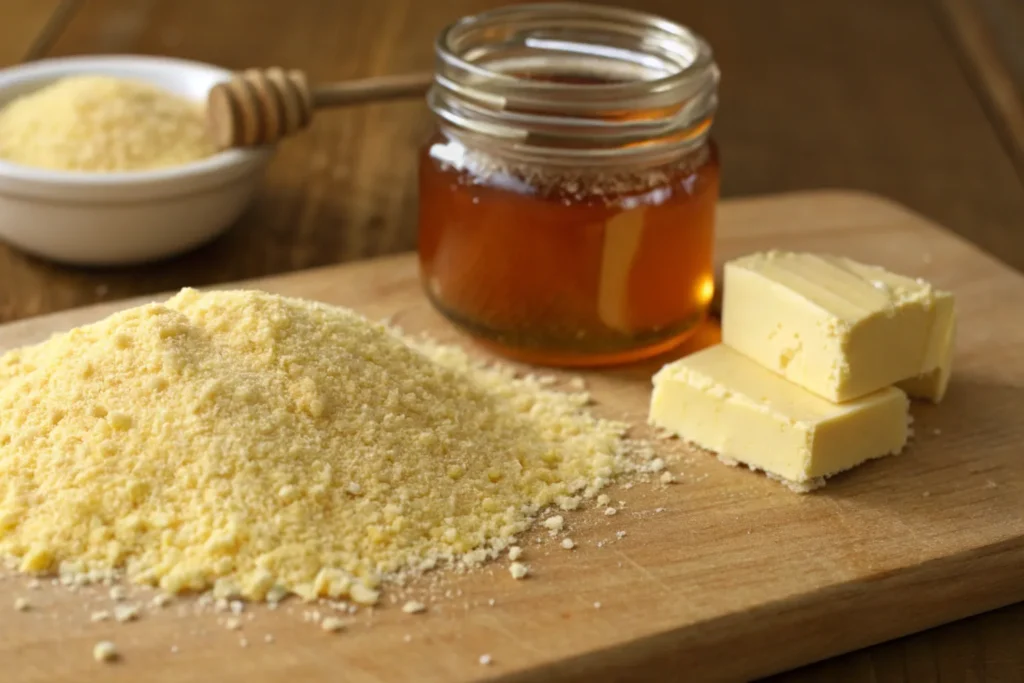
917 100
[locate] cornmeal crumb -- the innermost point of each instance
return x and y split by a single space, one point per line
124 613
362 595
99 615
610 511
22 604
554 523
104 651
568 543
161 600
118 593
414 607
603 499
514 553
259 446
332 624
518 570
667 478
486 660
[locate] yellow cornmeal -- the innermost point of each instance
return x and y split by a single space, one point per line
101 123
252 443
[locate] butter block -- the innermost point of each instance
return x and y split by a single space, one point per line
724 402
839 328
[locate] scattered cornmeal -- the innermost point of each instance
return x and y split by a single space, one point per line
332 624
103 124
125 613
554 523
104 651
214 440
414 607
518 570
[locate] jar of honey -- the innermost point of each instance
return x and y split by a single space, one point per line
567 201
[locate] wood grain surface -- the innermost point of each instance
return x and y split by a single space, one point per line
990 34
733 563
27 26
874 95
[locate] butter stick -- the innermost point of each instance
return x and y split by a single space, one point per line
839 328
724 402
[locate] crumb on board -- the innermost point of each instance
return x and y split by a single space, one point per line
161 600
486 660
333 624
104 651
414 607
123 613
518 570
555 523
568 543
22 604
515 552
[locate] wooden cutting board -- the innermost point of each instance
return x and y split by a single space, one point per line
725 575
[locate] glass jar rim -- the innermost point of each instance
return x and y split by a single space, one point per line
656 80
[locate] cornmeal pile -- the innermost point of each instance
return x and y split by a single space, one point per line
260 445
100 123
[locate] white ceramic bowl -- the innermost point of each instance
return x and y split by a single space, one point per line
132 217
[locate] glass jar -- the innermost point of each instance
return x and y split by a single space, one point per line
567 201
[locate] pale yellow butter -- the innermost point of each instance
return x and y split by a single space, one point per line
724 402
839 328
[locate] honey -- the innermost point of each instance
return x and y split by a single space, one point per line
567 206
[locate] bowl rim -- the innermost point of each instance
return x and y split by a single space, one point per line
218 165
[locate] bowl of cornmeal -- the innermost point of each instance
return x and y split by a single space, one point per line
107 160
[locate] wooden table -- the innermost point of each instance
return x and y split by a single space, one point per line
919 100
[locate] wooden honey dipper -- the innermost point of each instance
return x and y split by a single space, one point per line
262 106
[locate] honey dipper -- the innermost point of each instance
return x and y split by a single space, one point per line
261 106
